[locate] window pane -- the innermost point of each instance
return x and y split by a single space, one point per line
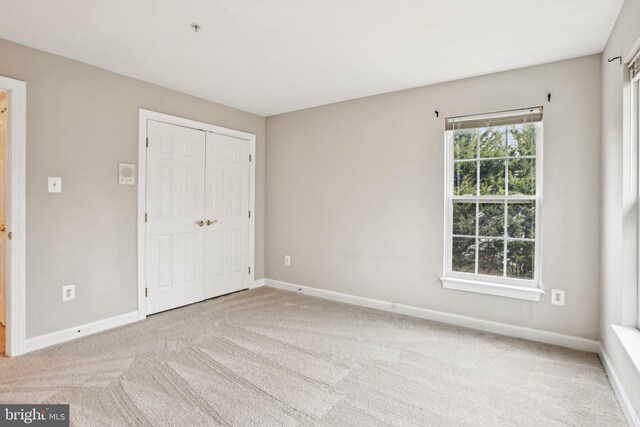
492 143
491 220
522 176
463 257
464 219
465 144
492 177
465 179
491 257
521 220
522 140
520 256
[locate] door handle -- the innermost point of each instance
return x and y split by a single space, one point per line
3 228
209 222
200 223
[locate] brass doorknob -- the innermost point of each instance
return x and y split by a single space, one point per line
3 228
209 222
200 223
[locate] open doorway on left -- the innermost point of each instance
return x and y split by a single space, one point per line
4 113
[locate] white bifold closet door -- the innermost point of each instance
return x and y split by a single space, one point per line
197 229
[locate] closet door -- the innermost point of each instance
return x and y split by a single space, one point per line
175 213
226 214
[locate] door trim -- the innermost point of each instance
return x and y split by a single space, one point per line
15 211
146 115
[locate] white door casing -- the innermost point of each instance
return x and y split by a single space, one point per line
4 112
15 216
175 205
227 214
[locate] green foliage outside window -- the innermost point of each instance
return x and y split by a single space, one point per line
466 144
491 220
464 254
521 220
490 257
465 179
492 142
492 182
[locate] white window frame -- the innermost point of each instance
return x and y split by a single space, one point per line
635 144
530 290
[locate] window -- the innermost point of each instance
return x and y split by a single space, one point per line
493 203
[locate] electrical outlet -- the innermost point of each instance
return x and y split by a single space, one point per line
557 297
287 260
68 292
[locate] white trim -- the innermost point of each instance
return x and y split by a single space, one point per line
258 284
569 341
15 287
69 334
142 196
631 284
630 340
146 115
508 291
626 404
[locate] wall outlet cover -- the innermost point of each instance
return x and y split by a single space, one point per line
287 260
68 293
557 297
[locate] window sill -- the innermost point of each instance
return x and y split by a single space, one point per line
630 339
508 291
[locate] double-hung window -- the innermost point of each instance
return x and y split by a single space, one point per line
628 331
493 203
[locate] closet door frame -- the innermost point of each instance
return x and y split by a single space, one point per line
144 117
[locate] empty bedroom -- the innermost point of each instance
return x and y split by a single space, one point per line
338 213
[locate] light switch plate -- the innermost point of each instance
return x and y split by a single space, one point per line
55 184
126 174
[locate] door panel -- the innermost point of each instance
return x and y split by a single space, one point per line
175 202
227 203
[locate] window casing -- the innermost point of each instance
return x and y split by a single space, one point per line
634 69
493 198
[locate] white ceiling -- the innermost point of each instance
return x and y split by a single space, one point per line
274 56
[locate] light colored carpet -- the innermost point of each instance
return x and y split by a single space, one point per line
271 357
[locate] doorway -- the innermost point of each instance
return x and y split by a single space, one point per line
13 100
4 113
196 198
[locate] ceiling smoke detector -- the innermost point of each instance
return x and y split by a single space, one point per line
195 27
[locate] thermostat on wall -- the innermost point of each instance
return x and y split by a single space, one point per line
126 174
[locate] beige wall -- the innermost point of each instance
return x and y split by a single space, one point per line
618 224
82 121
355 194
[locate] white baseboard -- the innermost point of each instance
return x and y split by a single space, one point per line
576 343
58 337
623 398
53 338
257 283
